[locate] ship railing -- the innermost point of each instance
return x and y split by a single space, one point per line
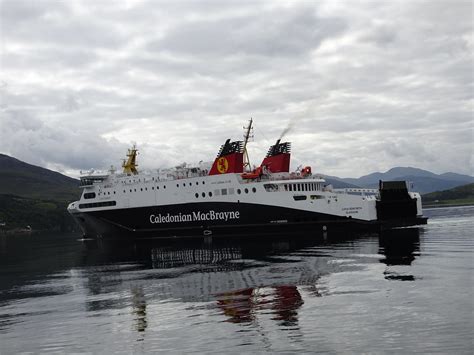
357 191
286 177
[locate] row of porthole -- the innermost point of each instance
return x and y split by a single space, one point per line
239 191
106 193
146 189
254 190
191 184
177 185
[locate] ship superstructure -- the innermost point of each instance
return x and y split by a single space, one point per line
228 199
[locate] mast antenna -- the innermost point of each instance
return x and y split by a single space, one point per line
248 134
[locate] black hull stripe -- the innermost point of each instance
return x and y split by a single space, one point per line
216 218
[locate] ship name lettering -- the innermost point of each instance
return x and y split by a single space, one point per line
195 216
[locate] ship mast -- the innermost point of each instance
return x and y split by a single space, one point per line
248 134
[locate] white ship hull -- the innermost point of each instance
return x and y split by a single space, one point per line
221 205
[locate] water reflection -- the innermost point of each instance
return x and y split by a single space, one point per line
400 247
336 295
243 278
139 308
241 306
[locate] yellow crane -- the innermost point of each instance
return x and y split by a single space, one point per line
129 165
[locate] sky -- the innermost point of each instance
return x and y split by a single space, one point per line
362 86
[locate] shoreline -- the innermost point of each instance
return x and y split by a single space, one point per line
438 205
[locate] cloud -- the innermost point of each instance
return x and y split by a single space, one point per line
366 86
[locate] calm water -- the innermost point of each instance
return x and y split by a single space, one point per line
406 291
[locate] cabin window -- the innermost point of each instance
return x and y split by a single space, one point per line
217 192
317 197
246 191
239 191
299 197
203 194
89 195
223 192
196 194
177 185
254 190
210 194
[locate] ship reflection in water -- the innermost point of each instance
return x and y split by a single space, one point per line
244 280
403 290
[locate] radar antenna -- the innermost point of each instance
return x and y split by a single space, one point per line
248 134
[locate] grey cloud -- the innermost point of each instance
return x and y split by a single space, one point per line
27 137
370 85
273 33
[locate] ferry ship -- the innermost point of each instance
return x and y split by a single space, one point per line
229 199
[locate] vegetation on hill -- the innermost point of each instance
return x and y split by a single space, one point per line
34 196
458 195
20 212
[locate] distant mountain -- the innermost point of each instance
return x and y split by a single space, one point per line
30 181
423 181
457 177
460 194
338 183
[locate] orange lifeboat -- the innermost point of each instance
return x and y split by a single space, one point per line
253 175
